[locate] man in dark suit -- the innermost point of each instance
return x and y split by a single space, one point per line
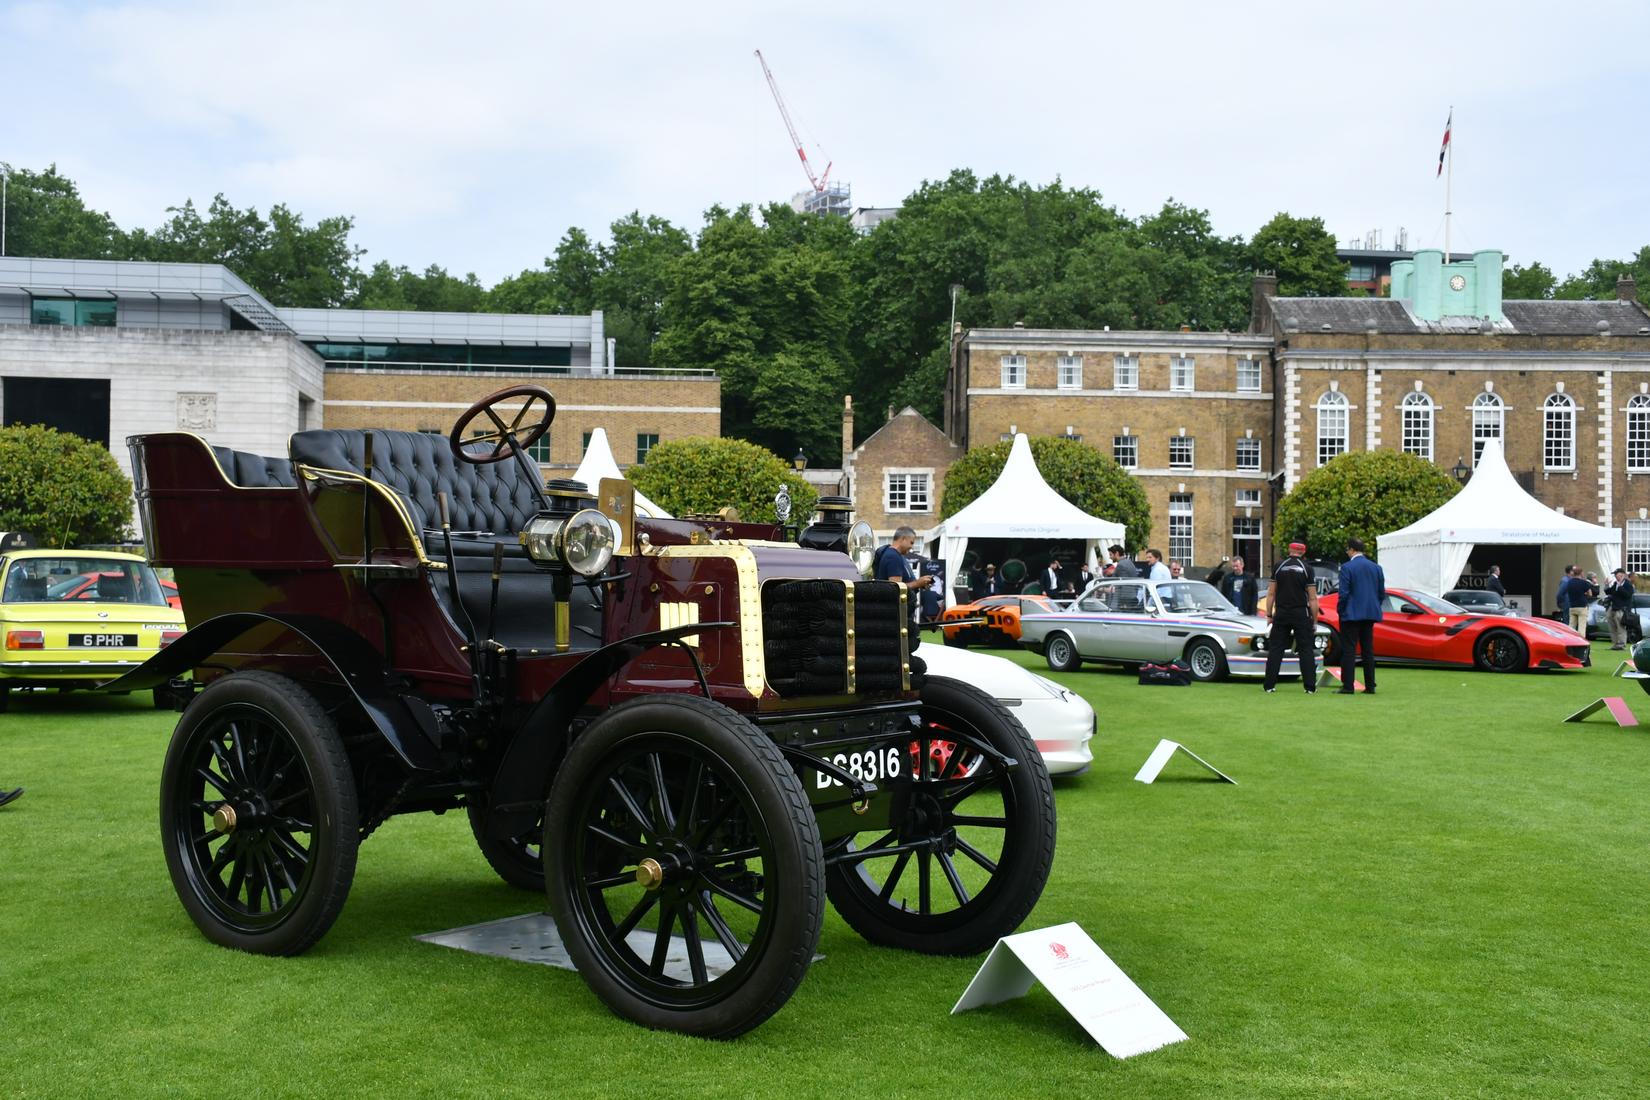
1051 578
1362 590
986 583
1493 582
1240 587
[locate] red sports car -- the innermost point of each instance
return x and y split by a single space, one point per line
83 586
1419 629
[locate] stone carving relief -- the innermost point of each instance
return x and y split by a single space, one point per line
197 412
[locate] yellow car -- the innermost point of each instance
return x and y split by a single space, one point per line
78 618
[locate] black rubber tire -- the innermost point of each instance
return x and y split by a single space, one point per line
955 639
519 860
1022 864
323 787
773 963
1491 652
1206 660
1061 652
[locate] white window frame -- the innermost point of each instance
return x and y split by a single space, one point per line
1248 498
1189 444
1245 367
1182 373
1181 526
1125 372
1416 420
1014 372
1334 425
1638 546
1248 444
909 477
1489 421
1069 372
1558 433
1132 443
1638 433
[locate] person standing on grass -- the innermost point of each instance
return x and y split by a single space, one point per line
1292 605
1240 587
1156 570
1363 588
1618 601
1121 564
890 565
1573 597
10 796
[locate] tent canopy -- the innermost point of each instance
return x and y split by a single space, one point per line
1493 508
598 463
1020 505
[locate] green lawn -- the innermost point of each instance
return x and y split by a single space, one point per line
1438 891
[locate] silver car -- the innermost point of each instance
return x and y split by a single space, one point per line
1133 621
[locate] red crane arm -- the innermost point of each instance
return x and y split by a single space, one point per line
790 127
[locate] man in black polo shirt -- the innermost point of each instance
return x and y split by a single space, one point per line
1294 613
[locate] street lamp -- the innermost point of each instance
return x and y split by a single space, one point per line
1461 470
800 461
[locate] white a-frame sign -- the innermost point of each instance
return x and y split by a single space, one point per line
1071 966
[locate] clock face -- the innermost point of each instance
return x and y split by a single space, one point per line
1457 282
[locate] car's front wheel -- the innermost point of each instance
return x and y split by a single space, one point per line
1062 654
1206 660
1500 651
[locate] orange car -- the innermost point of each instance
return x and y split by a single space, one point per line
1001 627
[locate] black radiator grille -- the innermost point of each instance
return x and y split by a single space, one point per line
805 637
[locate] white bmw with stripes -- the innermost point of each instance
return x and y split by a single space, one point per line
1133 621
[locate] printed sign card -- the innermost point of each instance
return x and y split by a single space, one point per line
1083 978
1160 757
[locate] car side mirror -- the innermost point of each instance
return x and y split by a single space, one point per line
1410 609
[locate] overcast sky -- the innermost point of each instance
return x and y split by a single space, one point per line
473 134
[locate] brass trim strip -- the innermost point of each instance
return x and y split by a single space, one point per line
849 622
312 473
750 603
904 640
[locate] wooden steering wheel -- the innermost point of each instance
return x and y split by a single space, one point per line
506 436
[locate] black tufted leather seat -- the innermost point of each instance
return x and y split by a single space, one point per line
495 499
251 471
487 505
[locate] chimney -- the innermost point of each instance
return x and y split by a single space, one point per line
847 425
1265 286
890 412
1627 288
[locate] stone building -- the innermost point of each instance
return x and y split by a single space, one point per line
897 476
1188 413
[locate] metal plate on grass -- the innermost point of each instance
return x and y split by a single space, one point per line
532 938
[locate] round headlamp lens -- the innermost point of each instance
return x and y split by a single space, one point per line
587 542
862 547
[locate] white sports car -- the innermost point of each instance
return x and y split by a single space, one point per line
1060 721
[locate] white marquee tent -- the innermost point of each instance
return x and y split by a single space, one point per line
1492 509
599 463
1020 505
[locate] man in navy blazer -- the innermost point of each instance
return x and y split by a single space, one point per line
1361 593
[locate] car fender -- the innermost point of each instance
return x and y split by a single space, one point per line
517 792
408 724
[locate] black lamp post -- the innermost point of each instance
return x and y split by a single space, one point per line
1461 470
800 461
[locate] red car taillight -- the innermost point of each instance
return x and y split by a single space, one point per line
25 639
167 637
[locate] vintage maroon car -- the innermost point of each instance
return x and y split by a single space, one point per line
1419 629
688 733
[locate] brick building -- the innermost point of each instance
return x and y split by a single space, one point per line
896 477
1218 425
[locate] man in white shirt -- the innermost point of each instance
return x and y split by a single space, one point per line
1157 571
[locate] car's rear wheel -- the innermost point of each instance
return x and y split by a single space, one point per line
1500 651
258 814
969 849
955 638
675 812
1206 660
519 860
1062 654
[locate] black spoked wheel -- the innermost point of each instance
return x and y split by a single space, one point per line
1061 652
1500 651
258 815
519 860
1206 660
967 857
683 866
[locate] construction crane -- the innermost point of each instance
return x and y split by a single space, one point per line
819 181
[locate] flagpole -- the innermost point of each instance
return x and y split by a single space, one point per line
1449 179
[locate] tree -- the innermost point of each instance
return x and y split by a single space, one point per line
686 476
634 276
63 489
1528 283
386 287
1362 494
1597 280
1302 252
46 217
1075 470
